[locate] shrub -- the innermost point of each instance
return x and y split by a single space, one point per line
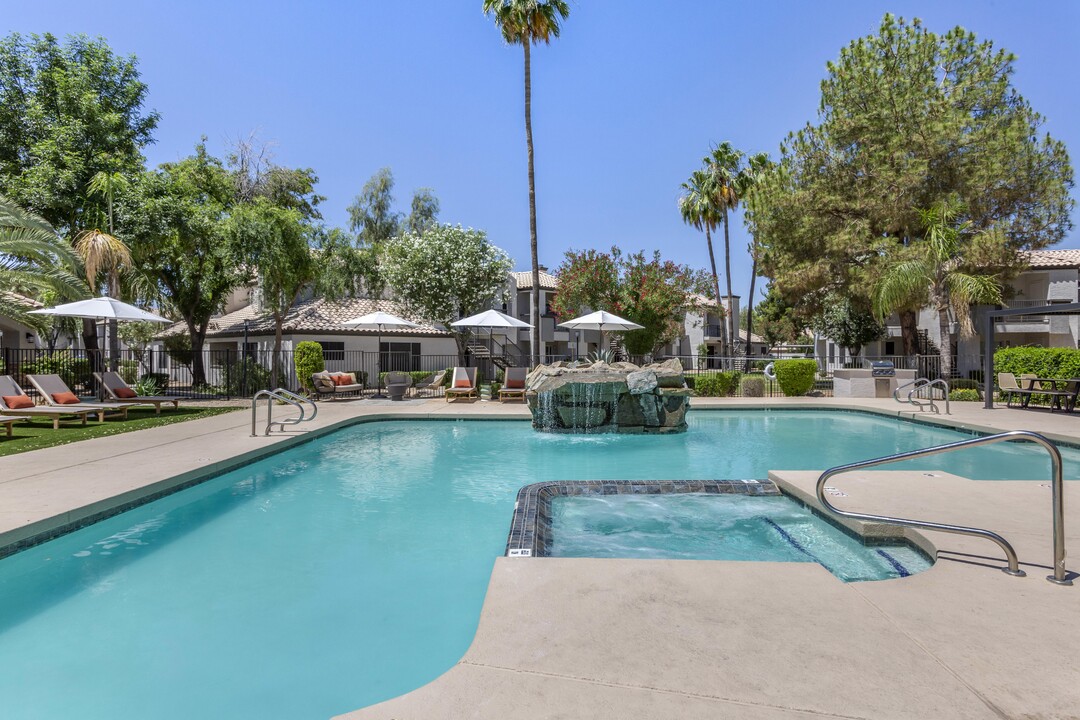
129 371
308 359
753 386
360 375
257 377
1043 362
964 394
796 377
159 381
74 371
721 384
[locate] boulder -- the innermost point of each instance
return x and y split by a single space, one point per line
641 381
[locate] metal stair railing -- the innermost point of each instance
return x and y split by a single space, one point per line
1059 577
286 396
925 383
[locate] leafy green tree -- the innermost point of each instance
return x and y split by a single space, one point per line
445 274
179 241
67 112
273 242
936 273
777 320
761 174
848 323
650 291
308 359
909 117
34 261
527 23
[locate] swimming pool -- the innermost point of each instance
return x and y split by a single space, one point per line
352 569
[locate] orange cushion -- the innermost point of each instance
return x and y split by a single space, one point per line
463 383
515 384
65 398
124 393
340 379
18 402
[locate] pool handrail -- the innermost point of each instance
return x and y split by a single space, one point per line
926 382
282 395
1059 576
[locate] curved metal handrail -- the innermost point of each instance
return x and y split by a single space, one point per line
896 392
1056 483
303 399
271 396
933 406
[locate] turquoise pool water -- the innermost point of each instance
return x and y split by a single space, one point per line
350 569
697 526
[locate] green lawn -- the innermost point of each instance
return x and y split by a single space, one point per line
39 433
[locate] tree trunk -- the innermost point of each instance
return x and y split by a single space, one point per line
716 289
198 368
90 342
275 367
750 304
534 309
946 341
909 332
732 336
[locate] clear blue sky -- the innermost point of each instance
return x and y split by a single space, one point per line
625 103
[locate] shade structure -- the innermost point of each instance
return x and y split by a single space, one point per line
379 320
603 321
102 308
490 319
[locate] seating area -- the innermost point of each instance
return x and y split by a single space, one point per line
335 384
1060 393
118 391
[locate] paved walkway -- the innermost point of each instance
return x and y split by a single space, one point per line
562 638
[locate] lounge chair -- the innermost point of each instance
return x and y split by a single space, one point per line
56 393
116 390
8 420
11 393
431 383
513 383
462 383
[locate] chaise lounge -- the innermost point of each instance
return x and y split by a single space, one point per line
462 383
56 393
13 401
119 391
513 384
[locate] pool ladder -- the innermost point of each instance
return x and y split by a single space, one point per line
1059 577
285 396
921 384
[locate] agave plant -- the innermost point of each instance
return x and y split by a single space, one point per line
607 355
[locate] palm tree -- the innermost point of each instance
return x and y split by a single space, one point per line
698 208
759 173
525 23
33 260
934 275
728 182
104 251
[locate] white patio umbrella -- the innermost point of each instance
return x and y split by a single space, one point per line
379 320
601 320
103 308
490 319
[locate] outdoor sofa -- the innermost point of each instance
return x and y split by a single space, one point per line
334 384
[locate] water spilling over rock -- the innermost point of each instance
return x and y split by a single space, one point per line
582 397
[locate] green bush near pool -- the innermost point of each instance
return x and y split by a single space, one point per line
796 377
721 384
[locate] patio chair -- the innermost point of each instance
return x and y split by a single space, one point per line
13 401
396 384
116 390
431 384
513 384
56 393
462 383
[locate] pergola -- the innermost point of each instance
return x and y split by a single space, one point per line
992 316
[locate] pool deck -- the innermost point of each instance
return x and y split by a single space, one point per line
572 638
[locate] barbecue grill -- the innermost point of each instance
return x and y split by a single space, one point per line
882 368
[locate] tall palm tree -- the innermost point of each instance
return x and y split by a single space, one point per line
933 274
525 23
102 251
33 260
728 180
698 209
760 171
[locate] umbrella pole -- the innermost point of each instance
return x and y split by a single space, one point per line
378 366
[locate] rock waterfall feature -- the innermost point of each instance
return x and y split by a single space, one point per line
583 397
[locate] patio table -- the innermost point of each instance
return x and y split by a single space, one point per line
1057 388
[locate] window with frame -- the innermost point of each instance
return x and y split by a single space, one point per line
333 350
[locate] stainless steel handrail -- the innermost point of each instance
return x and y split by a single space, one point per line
302 399
926 382
271 396
1057 500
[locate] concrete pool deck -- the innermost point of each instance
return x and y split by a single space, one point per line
561 638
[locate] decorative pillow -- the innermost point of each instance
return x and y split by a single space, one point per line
352 378
65 398
340 379
18 402
323 382
125 393
515 384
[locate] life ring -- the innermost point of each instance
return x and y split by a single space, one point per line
769 372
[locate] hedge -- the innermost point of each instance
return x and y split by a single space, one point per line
1042 362
964 395
796 377
721 384
308 360
752 386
